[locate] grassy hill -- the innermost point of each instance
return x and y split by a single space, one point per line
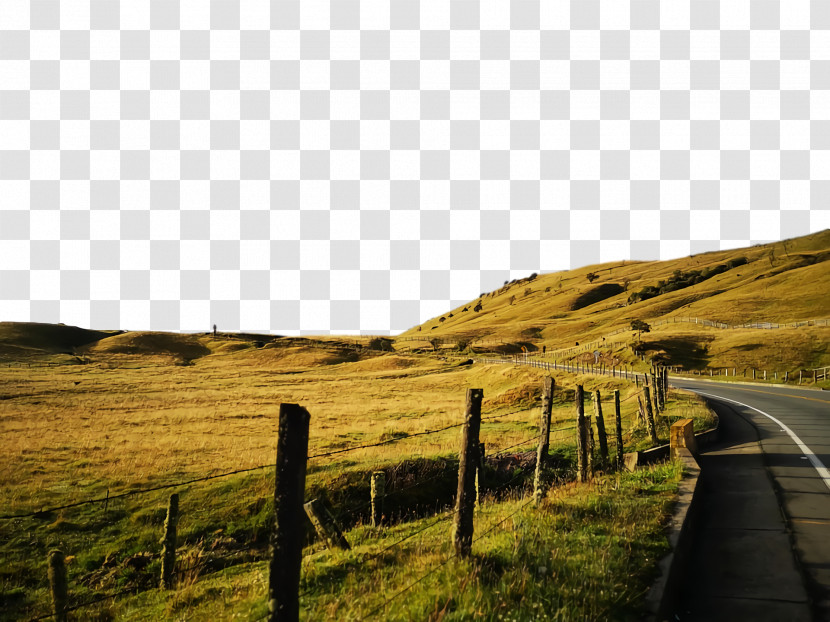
779 282
24 340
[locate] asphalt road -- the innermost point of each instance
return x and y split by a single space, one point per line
774 450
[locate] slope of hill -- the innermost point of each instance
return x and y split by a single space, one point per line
779 282
31 339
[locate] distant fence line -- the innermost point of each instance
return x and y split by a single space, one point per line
601 342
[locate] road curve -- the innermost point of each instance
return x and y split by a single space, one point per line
792 429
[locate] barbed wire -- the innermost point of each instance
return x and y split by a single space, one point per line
88 603
445 562
195 480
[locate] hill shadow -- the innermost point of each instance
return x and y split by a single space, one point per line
687 352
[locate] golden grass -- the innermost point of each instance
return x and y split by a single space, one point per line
73 431
779 284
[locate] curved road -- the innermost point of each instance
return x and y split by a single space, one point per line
773 454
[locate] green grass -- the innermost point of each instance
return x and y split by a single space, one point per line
588 552
227 521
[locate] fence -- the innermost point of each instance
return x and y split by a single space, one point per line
291 509
602 341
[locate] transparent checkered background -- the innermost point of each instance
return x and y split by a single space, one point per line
313 166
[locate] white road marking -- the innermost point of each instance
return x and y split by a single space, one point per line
822 470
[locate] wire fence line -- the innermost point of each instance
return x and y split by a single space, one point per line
200 564
601 341
129 493
436 568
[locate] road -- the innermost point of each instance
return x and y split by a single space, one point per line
773 454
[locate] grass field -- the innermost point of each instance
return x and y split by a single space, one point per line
140 413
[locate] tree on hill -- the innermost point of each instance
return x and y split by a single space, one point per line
592 276
640 326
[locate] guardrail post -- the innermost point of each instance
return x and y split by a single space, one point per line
462 528
287 537
57 584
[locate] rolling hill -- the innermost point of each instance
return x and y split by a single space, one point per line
781 282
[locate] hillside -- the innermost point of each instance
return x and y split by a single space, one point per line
23 340
779 282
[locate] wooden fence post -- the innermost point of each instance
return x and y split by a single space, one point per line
753 373
650 416
58 584
287 537
462 528
168 541
603 440
618 422
544 441
480 475
320 514
377 491
592 461
581 437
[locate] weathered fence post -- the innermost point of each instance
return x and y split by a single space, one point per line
287 537
787 376
799 376
377 491
592 462
480 475
321 516
753 373
168 541
652 430
547 408
57 584
544 441
581 437
603 440
618 422
462 528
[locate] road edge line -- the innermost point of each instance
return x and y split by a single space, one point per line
818 465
